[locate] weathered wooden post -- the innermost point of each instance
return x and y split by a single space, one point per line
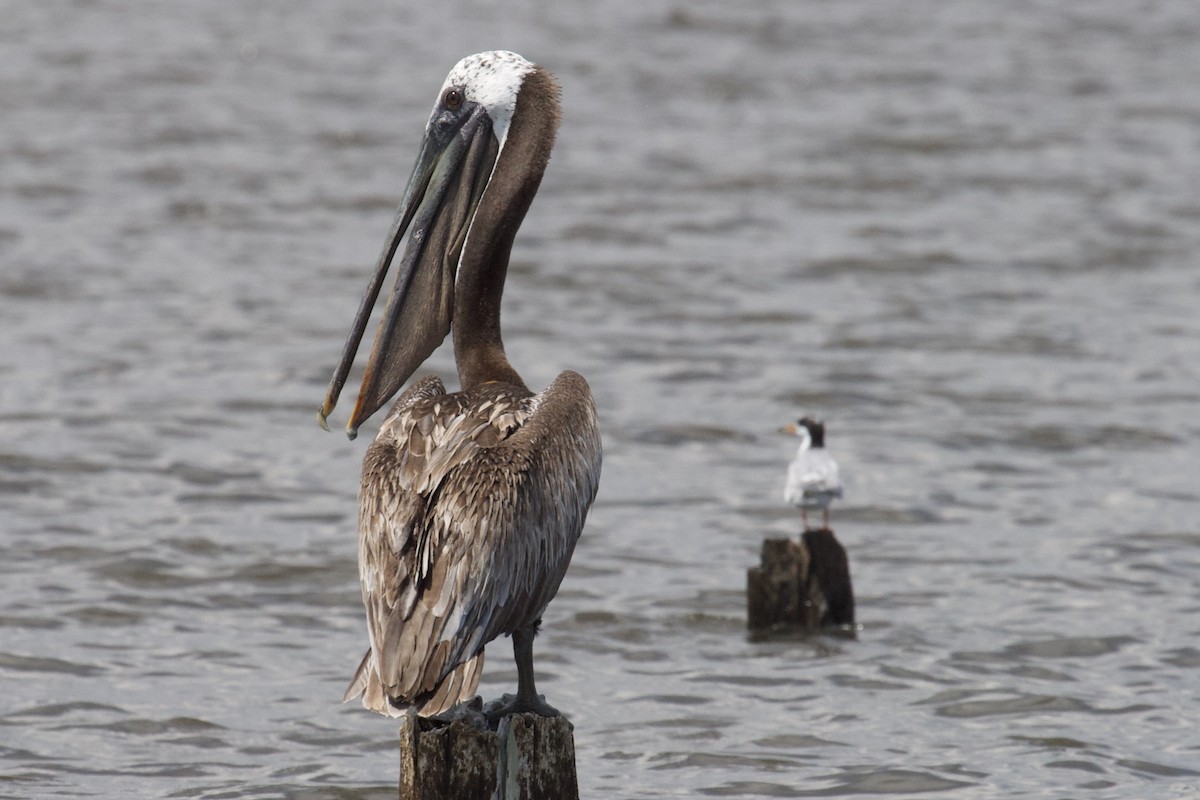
800 584
462 757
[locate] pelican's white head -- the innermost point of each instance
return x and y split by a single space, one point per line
492 80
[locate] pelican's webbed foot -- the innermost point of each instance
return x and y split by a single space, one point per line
509 704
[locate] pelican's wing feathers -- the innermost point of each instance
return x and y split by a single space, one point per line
470 509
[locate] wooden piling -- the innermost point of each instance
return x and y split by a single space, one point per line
801 584
460 757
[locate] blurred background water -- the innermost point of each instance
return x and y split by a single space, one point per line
965 233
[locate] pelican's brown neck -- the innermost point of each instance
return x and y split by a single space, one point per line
478 347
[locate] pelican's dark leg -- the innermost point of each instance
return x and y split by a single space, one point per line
826 519
804 518
527 698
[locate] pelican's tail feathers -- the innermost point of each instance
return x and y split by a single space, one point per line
456 687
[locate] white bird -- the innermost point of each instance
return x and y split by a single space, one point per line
812 480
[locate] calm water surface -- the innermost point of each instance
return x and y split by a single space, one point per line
965 233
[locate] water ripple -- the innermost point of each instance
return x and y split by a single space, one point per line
962 235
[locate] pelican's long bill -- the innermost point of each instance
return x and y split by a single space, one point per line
451 173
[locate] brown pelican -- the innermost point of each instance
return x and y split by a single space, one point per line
471 501
812 478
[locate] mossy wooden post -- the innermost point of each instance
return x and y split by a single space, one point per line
527 758
800 584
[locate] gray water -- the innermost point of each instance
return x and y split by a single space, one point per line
965 233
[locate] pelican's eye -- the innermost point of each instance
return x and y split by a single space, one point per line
453 98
